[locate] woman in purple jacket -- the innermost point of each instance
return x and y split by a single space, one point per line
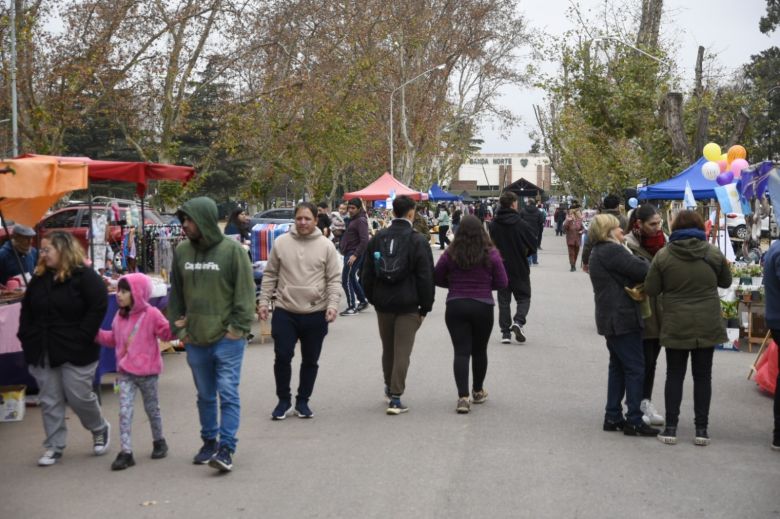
471 268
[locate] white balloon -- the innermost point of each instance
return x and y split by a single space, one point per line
710 170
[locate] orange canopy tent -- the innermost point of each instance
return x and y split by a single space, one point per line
386 186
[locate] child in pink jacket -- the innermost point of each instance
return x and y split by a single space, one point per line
134 333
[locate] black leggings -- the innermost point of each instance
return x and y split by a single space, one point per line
470 324
652 348
701 366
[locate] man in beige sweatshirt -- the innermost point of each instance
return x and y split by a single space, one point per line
304 271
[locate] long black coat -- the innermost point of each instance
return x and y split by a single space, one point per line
613 267
63 318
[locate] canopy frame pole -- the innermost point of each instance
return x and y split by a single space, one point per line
143 233
91 226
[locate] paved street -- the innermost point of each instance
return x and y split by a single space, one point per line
535 449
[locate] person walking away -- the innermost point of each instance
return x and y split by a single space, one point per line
471 268
559 217
398 278
19 245
772 289
619 320
353 245
534 218
213 292
573 228
516 241
645 238
444 226
544 223
456 216
134 333
610 205
304 271
61 313
686 274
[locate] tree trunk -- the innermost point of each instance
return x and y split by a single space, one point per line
739 128
672 113
650 23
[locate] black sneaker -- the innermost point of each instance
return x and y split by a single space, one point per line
206 452
222 460
519 332
669 436
302 409
361 307
123 460
281 410
395 406
640 430
614 426
348 312
776 443
506 338
101 440
702 438
159 449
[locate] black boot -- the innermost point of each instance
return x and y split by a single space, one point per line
160 449
614 426
122 461
776 441
669 436
702 438
639 430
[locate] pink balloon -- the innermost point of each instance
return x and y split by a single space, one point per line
724 165
737 165
725 178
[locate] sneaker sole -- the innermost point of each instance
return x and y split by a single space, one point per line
701 442
104 449
301 415
462 411
131 464
776 447
668 440
277 418
216 464
519 337
506 341
48 462
396 411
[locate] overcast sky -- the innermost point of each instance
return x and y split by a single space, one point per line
730 31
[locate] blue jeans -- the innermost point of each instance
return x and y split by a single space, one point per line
626 377
349 281
288 328
216 370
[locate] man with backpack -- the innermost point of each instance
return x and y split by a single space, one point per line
398 280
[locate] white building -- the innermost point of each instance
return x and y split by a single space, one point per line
491 172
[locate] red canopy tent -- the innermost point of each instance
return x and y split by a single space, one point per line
382 189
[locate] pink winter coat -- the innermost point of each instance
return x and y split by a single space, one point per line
143 356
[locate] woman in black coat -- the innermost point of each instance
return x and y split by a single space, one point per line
61 314
619 320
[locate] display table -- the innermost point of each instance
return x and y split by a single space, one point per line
13 368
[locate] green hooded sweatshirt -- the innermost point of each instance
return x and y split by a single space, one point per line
211 281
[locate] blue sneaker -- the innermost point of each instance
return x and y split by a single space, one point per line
281 410
302 409
222 460
395 406
206 452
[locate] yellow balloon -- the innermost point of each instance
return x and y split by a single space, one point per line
725 156
712 152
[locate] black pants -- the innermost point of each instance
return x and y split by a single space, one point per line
652 348
776 337
470 323
701 366
521 290
443 240
287 328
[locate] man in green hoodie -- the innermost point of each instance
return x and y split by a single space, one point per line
211 309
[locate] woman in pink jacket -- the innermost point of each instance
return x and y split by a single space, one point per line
134 333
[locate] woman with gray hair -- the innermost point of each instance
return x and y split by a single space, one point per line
618 318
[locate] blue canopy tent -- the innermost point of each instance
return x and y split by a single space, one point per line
437 194
674 188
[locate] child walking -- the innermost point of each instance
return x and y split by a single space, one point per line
134 333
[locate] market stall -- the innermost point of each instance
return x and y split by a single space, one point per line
386 186
437 194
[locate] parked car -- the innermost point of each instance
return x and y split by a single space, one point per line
735 223
278 215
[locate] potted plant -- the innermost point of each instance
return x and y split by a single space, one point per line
728 311
756 274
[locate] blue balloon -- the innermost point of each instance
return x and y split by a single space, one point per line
633 202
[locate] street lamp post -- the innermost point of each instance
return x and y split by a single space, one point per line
14 102
769 120
396 89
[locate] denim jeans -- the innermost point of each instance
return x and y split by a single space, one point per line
216 370
626 377
349 281
288 328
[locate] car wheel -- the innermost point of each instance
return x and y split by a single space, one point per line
741 232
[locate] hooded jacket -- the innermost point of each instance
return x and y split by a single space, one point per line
355 238
59 319
211 281
141 355
515 240
686 275
534 217
305 273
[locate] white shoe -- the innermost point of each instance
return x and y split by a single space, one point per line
650 416
49 457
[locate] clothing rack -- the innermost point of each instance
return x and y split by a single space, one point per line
160 239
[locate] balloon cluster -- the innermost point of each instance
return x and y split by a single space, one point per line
724 167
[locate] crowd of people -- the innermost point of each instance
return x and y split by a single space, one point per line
213 303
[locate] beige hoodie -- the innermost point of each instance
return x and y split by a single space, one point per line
305 272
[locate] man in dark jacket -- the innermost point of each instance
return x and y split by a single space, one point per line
560 217
515 240
535 219
402 305
353 246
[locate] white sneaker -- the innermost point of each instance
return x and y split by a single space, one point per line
49 457
650 416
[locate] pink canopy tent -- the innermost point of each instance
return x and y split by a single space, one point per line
382 189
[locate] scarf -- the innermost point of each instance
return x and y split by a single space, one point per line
684 234
652 244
